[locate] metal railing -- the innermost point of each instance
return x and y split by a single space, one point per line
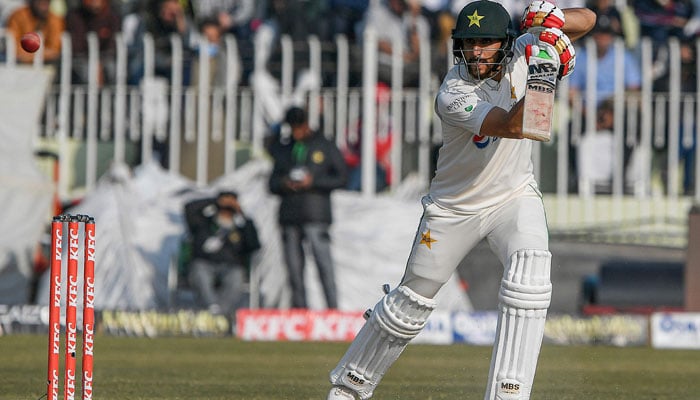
174 120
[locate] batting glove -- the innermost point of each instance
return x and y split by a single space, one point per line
563 47
540 15
536 49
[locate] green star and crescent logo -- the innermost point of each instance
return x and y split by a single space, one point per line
475 19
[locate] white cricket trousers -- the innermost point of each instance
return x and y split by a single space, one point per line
445 237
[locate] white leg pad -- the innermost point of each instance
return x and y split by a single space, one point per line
395 320
525 294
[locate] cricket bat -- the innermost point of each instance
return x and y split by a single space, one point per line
539 96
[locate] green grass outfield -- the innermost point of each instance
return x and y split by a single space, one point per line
227 368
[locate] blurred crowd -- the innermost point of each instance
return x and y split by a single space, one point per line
592 159
192 20
201 26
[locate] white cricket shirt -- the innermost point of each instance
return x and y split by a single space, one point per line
476 172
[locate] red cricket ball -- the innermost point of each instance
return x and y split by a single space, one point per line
31 42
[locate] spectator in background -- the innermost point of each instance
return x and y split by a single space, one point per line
352 150
607 9
628 23
688 71
307 168
596 152
210 43
353 158
93 16
687 140
397 19
240 18
432 9
441 21
35 16
215 49
160 18
234 16
132 27
606 31
345 17
661 19
223 239
298 18
692 28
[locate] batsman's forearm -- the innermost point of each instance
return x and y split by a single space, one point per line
579 21
515 119
493 124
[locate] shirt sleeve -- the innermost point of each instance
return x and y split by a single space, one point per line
465 110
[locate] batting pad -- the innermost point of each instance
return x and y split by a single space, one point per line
524 297
396 319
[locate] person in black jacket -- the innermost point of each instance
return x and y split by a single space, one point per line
223 240
307 168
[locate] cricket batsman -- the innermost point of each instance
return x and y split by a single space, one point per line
484 187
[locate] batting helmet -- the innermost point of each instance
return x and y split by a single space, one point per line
483 19
487 20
